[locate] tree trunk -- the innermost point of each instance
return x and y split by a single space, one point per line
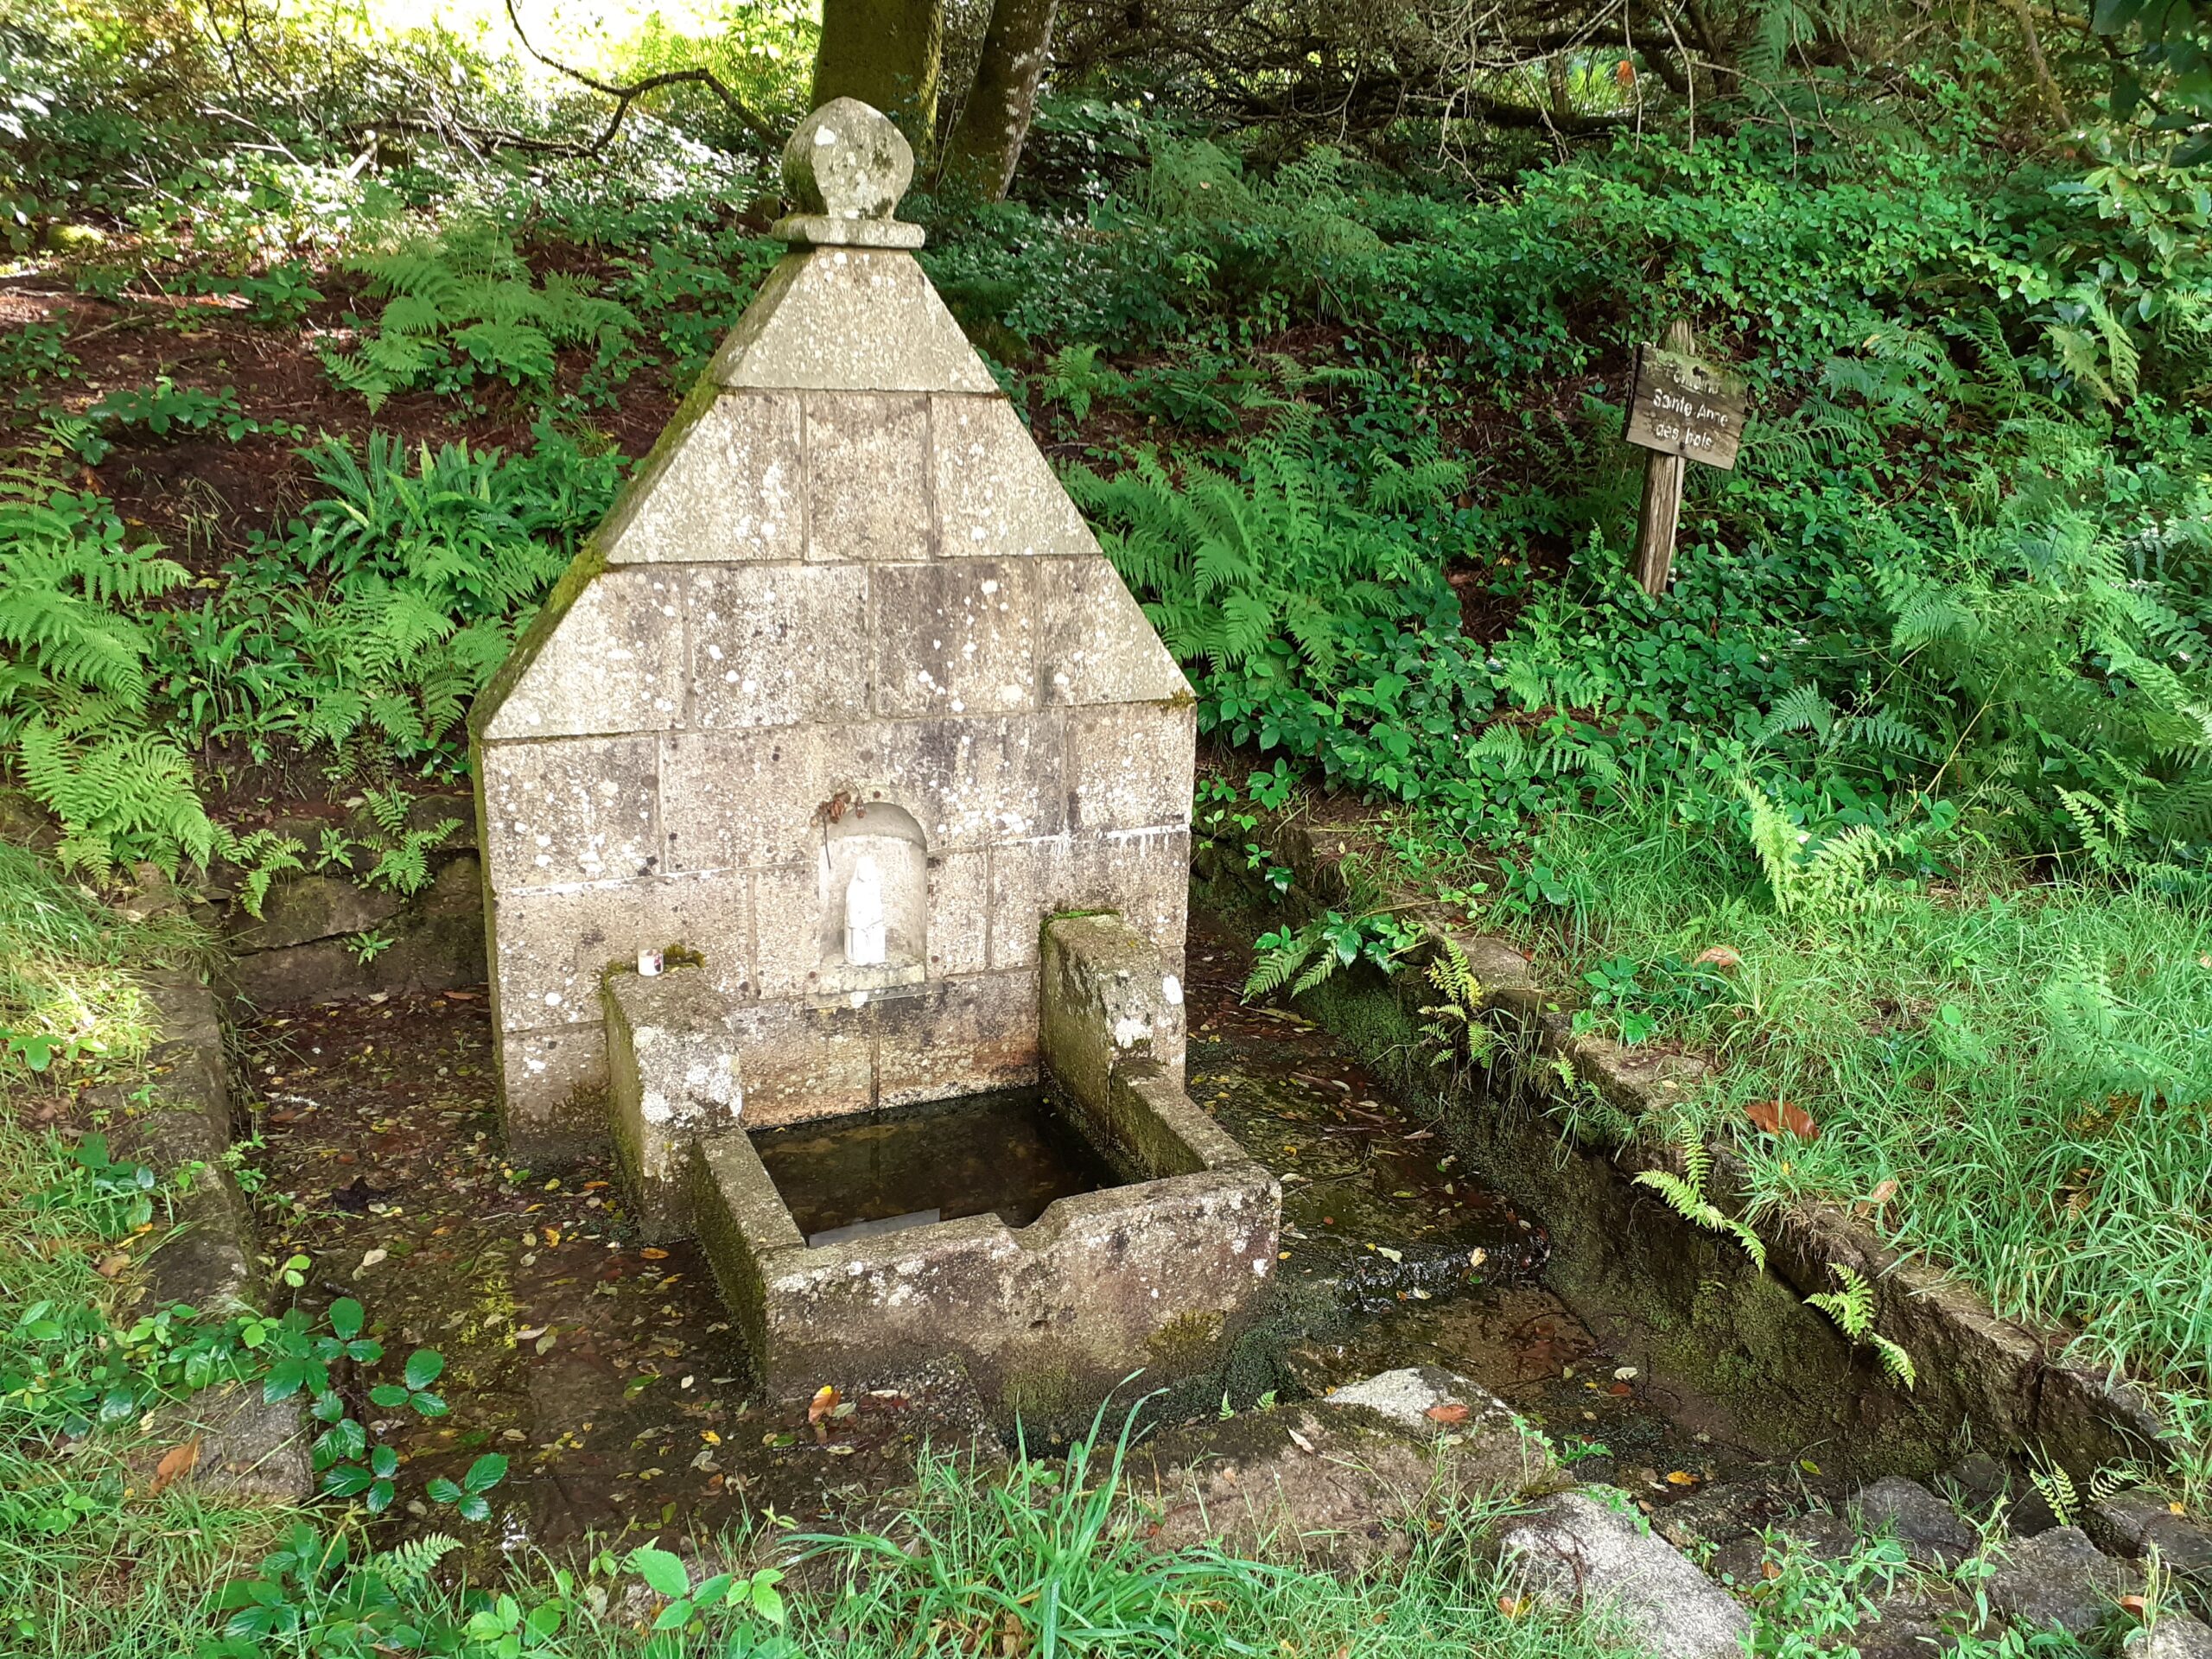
985 144
886 53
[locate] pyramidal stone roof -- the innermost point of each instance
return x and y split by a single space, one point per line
845 574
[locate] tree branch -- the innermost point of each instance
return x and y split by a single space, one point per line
626 96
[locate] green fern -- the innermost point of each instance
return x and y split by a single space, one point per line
1685 1194
1852 1309
408 1566
2056 1487
1455 1024
1839 876
462 306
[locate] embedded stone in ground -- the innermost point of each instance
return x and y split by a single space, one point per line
1581 1549
2176 1636
1930 1529
1349 1482
2058 1577
2136 1524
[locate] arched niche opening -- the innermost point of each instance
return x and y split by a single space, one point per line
873 898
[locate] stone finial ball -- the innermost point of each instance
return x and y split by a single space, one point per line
848 160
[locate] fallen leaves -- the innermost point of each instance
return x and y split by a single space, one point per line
1303 1444
818 1410
1446 1411
1680 1478
651 1254
1783 1117
176 1463
1724 958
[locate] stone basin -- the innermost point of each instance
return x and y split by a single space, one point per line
1154 1276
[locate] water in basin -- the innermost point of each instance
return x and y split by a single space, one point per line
1007 1154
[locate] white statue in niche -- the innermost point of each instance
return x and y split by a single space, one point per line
864 940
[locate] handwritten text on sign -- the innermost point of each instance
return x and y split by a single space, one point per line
1682 407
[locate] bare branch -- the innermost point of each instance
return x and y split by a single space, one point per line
626 96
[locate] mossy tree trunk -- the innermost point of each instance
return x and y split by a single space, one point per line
985 144
886 53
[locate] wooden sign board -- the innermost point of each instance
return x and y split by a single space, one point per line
1682 407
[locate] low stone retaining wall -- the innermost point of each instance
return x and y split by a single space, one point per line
326 933
177 1121
1691 1299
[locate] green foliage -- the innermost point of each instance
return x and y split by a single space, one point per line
363 631
1319 623
2008 1072
162 409
1685 1194
1852 1309
1835 877
462 306
1455 1025
1301 958
371 622
75 687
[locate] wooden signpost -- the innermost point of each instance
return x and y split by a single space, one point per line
1684 411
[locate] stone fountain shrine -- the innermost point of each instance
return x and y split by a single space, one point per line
839 775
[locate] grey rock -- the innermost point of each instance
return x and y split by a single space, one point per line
1917 1625
248 1447
1348 1483
2136 1524
304 908
1724 1512
1822 1536
1930 1529
1580 1549
1979 1481
2057 1578
1439 1404
2176 1636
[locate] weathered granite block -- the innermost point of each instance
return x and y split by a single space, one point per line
737 798
610 660
721 483
868 486
969 782
772 644
955 637
806 1060
997 497
555 943
1145 875
673 1076
553 1082
1098 646
849 319
309 907
580 809
959 912
766 640
1130 766
948 1037
1158 1275
1109 1000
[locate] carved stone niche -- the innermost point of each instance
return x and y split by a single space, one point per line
879 848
